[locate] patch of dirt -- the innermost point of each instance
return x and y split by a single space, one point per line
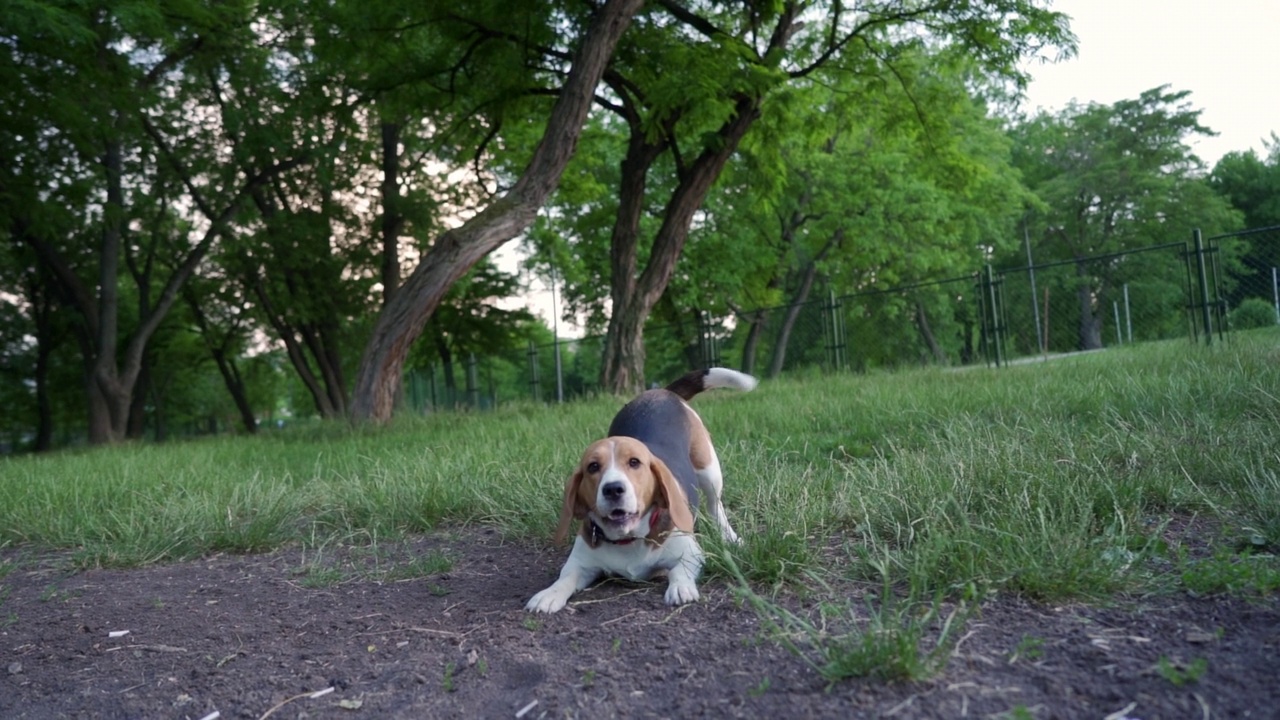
240 635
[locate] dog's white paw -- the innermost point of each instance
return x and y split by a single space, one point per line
548 601
679 593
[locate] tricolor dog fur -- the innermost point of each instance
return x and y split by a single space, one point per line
636 493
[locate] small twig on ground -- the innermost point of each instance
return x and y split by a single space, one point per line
152 648
619 618
1122 713
525 710
1204 706
955 651
670 615
611 598
901 706
429 631
286 701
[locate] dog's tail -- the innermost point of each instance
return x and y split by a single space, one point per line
698 380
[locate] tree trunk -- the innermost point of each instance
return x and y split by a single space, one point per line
752 342
1090 325
42 306
231 377
137 422
623 369
789 320
926 334
454 253
293 349
112 410
446 367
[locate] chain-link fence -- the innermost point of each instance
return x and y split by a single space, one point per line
1247 278
1198 289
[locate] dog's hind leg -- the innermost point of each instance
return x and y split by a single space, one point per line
711 485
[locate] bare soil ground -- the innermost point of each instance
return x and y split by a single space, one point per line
253 637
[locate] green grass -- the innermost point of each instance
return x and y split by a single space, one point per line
1051 480
1179 674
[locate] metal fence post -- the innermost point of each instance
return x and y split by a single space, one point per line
1202 274
837 318
1275 293
1128 318
833 331
559 374
473 382
989 279
534 380
1031 273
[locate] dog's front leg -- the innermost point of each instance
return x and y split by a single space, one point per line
683 569
576 574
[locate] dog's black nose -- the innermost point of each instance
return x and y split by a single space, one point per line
612 491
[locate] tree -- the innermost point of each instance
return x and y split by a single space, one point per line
884 184
1252 186
1112 178
104 122
453 253
679 129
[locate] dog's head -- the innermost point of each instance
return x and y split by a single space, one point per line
617 481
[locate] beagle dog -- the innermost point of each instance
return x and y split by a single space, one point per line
636 492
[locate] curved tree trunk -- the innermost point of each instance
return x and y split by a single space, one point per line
623 369
1090 325
454 253
752 342
789 320
926 334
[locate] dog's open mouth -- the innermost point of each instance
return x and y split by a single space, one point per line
620 517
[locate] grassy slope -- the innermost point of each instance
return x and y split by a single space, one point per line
1053 479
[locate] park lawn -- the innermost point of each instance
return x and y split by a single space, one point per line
1053 480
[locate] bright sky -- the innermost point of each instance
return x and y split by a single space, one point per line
1227 53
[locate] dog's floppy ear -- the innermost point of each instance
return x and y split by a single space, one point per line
572 508
670 495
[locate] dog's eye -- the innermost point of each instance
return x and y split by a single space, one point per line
634 462
593 467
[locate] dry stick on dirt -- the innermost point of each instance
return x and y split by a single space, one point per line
286 701
454 253
152 648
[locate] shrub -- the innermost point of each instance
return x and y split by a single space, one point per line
1252 313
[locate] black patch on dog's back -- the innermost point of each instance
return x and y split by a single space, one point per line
658 419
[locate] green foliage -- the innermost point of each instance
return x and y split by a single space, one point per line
1232 573
1253 313
1110 178
1251 184
1180 674
1050 480
886 641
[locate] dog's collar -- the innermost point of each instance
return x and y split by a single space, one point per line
598 536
